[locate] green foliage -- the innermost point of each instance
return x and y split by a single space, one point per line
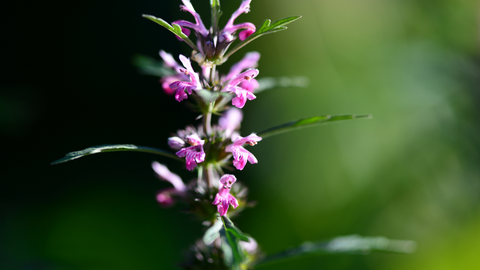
265 28
174 28
308 122
112 148
231 236
150 66
351 244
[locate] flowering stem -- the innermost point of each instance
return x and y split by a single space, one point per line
207 118
212 74
210 176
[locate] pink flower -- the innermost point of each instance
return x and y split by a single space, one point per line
193 154
197 26
230 121
165 196
242 94
167 80
240 154
223 198
250 60
182 86
230 28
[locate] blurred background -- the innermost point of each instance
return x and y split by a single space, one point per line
412 172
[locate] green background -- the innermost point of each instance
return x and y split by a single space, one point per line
411 172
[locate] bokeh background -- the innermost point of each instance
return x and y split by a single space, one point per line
412 172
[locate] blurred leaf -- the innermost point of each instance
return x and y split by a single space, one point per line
213 232
112 148
270 82
210 96
351 244
231 237
150 66
265 28
175 28
307 122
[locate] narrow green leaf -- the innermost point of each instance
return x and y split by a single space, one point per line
264 29
235 231
113 148
174 28
351 244
285 21
307 122
231 237
213 232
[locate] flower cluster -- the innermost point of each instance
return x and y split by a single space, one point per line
206 147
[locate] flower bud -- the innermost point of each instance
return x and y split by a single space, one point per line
176 143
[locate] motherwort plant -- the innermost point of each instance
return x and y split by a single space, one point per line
210 148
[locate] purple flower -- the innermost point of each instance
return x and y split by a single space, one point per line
240 154
182 86
242 94
230 28
193 154
223 199
230 121
165 196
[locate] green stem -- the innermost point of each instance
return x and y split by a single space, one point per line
210 176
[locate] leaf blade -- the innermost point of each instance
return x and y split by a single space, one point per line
351 244
306 122
231 237
112 148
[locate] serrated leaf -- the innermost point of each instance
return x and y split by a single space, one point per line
112 148
231 237
174 28
351 244
213 232
308 122
267 83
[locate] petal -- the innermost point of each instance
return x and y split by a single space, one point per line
250 60
217 200
176 143
164 173
228 180
245 34
252 159
250 138
232 200
230 120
